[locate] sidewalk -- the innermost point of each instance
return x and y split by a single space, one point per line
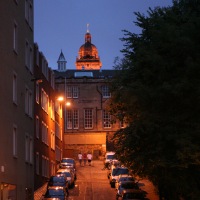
39 192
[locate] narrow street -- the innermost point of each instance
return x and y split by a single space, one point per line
92 184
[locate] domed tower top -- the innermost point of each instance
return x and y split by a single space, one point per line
88 54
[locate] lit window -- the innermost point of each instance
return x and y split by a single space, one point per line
44 101
106 119
52 140
88 119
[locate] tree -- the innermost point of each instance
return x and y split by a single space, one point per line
157 92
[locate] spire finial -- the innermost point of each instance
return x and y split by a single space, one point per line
88 28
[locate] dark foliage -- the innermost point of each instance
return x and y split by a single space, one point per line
157 92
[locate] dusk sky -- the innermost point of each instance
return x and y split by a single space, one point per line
62 24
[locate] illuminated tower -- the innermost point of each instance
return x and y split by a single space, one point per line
88 55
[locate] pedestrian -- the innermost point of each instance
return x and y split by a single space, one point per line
84 158
80 157
89 157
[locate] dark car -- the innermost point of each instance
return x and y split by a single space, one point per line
133 194
56 192
126 185
58 180
68 162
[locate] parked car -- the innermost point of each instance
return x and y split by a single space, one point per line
69 176
126 185
114 176
56 192
109 156
58 180
132 194
68 162
72 169
123 177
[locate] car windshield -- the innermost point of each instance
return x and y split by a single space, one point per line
118 171
57 180
110 157
129 186
126 179
66 160
133 196
55 192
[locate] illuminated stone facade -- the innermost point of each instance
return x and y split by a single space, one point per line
88 58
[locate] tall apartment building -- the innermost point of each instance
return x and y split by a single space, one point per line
48 140
16 100
88 125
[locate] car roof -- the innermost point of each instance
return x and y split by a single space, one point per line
132 191
64 170
57 176
55 187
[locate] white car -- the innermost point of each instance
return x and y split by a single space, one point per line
115 173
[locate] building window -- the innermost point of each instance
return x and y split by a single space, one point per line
52 110
45 138
58 153
44 101
72 92
37 95
31 59
30 18
58 131
14 88
15 141
28 102
88 119
29 12
15 38
37 163
52 140
26 54
106 119
53 168
45 166
37 131
105 91
72 117
29 149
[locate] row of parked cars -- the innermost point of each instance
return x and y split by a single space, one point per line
64 179
120 178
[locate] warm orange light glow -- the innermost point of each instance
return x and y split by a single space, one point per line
60 98
68 104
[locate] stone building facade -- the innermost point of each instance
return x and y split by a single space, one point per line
16 100
87 124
